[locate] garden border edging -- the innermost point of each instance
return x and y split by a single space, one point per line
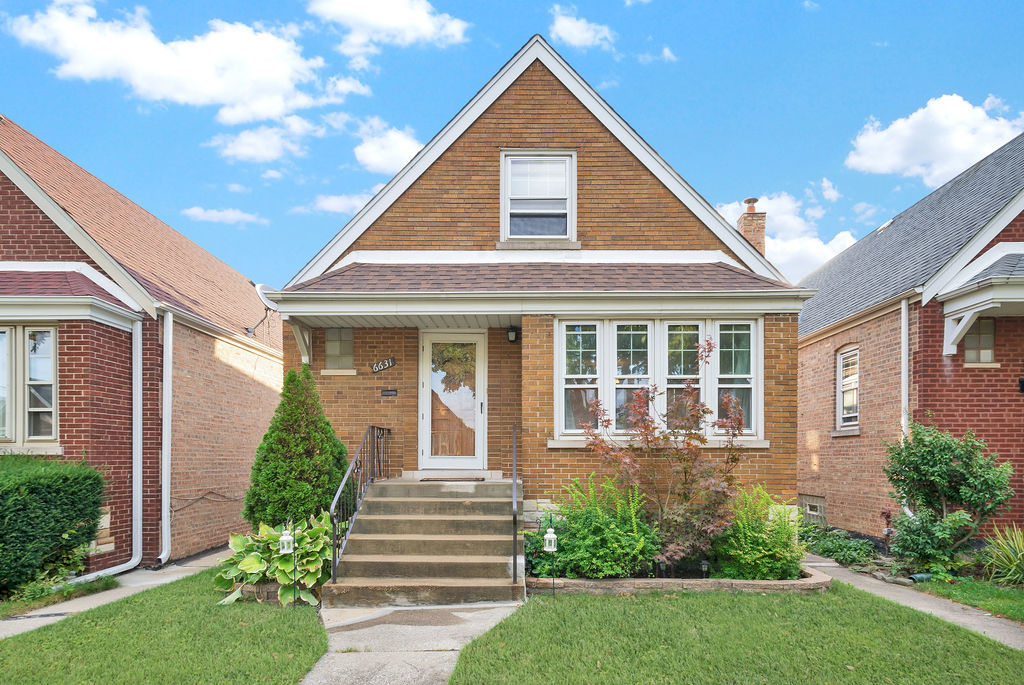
811 580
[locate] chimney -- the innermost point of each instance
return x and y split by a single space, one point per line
751 224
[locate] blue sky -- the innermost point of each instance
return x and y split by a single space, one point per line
258 128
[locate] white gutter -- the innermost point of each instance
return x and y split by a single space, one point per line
905 366
166 406
136 463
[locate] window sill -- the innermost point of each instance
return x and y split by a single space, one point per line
750 443
524 244
49 449
337 372
845 432
981 365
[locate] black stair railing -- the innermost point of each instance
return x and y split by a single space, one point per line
515 508
370 462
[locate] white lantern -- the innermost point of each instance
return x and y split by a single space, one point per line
551 541
287 543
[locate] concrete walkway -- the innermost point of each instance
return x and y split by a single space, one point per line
130 583
375 646
1010 633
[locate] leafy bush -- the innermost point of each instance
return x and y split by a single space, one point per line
257 559
53 574
951 486
300 462
836 544
761 543
47 509
602 533
1004 555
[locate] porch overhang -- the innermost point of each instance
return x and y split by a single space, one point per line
998 296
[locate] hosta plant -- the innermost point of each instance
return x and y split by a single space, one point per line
257 559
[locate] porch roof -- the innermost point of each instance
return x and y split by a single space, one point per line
52 284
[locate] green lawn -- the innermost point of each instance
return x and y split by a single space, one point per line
16 607
175 633
992 597
844 636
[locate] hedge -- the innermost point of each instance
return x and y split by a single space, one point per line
40 501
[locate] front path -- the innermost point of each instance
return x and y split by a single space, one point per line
401 644
1010 633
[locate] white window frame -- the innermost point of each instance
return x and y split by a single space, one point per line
612 342
505 187
658 369
841 356
9 427
18 388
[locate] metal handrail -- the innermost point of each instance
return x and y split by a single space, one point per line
515 511
369 463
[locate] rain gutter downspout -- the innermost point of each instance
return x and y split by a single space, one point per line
166 406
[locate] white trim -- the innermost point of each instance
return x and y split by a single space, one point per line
569 156
166 427
26 383
337 372
426 460
955 328
535 49
756 373
303 339
555 256
77 234
7 356
947 274
984 260
982 365
742 441
75 267
24 308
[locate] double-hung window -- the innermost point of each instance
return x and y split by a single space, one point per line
538 195
848 389
28 384
683 373
581 378
632 367
735 351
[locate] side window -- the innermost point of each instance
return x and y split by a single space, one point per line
848 389
338 349
980 342
539 196
40 358
5 384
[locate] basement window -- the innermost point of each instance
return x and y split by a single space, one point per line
980 342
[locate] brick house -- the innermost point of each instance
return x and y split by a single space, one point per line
923 318
535 255
124 342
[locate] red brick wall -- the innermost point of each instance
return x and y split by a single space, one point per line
224 396
455 204
504 398
1012 233
847 470
27 234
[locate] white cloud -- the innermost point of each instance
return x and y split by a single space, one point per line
630 3
865 212
387 22
810 5
385 149
336 204
606 84
267 143
237 188
271 174
666 55
829 190
578 32
994 104
792 242
934 143
235 217
249 72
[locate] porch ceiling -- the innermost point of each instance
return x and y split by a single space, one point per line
439 321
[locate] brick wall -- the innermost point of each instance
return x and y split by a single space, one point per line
28 234
504 398
224 396
455 203
847 470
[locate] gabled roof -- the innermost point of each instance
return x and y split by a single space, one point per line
907 252
149 259
1007 265
536 49
53 284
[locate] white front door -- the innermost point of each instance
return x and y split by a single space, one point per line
453 389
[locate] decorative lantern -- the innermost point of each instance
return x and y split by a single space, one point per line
551 541
287 542
705 566
513 334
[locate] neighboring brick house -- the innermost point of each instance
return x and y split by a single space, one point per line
921 319
123 342
535 255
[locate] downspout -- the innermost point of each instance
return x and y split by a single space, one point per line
136 463
166 406
905 366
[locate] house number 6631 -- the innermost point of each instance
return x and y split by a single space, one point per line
383 364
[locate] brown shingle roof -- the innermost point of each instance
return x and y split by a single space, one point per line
171 268
536 276
53 284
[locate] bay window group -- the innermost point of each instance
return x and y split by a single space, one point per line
28 371
609 360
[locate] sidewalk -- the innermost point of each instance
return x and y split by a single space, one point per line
1010 633
130 583
400 644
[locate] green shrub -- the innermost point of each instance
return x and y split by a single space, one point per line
836 544
300 462
47 509
761 543
602 531
1004 555
951 486
257 559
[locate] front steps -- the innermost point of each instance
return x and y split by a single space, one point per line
430 542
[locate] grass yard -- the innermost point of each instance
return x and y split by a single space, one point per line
16 607
1000 600
844 636
174 633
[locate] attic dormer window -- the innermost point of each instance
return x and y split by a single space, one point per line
538 195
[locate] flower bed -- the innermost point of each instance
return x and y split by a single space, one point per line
810 580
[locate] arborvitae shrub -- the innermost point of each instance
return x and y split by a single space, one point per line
300 463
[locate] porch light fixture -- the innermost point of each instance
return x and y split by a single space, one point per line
705 566
513 334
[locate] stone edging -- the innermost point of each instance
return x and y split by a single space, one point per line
811 580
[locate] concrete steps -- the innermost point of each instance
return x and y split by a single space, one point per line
430 542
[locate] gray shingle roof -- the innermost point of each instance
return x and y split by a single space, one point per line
1007 265
907 251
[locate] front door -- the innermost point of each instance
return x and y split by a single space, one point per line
453 382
